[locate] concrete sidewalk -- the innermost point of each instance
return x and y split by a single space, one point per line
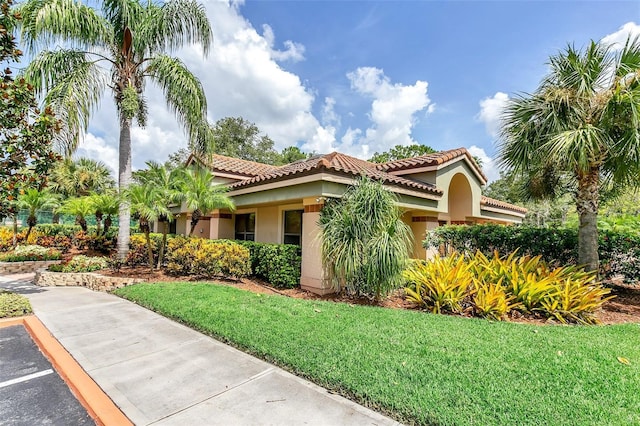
160 372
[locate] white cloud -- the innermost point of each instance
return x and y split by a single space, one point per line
294 51
489 166
100 149
393 108
619 38
491 111
329 115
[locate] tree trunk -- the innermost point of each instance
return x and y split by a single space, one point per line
15 230
124 179
165 231
56 218
587 206
195 218
149 248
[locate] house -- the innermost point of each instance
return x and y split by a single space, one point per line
283 204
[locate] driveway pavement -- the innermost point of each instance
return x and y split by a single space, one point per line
160 372
31 392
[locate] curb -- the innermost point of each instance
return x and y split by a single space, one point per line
93 399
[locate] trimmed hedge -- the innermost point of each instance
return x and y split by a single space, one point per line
278 264
13 305
208 258
619 251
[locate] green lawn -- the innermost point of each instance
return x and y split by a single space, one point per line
423 368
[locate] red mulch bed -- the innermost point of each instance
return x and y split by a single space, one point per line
624 308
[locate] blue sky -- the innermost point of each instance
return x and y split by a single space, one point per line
360 77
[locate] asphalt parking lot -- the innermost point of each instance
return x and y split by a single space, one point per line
31 392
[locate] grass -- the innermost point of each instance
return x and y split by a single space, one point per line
13 305
419 367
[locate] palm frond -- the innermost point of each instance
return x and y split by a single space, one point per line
185 96
73 84
48 21
171 26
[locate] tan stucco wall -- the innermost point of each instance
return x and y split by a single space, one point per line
202 229
443 181
312 275
267 225
427 177
181 225
460 198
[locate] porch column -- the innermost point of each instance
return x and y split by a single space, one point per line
221 225
420 225
312 277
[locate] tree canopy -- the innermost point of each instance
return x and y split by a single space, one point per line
26 153
582 124
119 47
399 152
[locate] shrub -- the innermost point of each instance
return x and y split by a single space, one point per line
84 264
364 242
440 284
619 251
497 285
209 258
491 300
60 242
278 264
53 229
13 305
30 252
138 249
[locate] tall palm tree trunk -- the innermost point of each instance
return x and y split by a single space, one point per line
124 179
587 206
165 231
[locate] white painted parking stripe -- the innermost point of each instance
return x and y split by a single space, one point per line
25 378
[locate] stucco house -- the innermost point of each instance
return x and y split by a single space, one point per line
283 204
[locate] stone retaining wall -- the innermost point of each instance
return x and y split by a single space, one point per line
90 280
7 268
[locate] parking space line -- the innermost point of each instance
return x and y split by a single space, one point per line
25 378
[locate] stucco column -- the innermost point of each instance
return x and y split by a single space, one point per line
312 276
420 225
221 225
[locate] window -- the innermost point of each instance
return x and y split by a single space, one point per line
246 227
293 227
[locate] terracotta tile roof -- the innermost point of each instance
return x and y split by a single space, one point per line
490 202
336 162
433 159
236 166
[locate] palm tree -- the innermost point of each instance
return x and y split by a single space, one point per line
167 184
201 195
81 177
80 208
104 205
129 38
583 122
148 205
364 242
35 200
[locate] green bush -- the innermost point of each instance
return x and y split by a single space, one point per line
493 286
278 264
29 253
208 258
13 305
82 264
53 229
619 251
137 255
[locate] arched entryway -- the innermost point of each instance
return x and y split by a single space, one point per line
460 199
